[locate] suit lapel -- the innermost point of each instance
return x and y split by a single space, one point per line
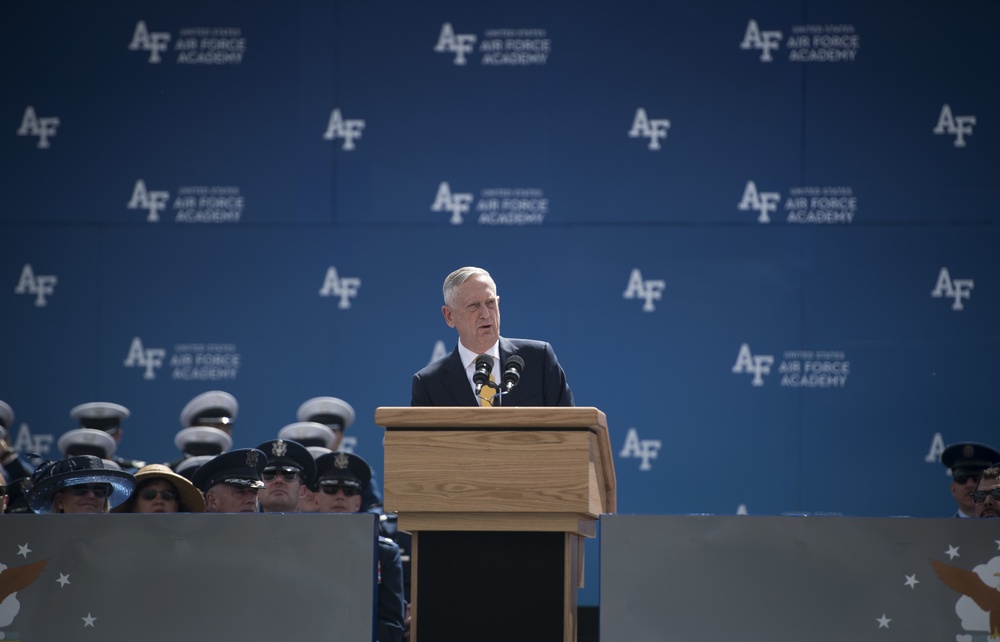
457 382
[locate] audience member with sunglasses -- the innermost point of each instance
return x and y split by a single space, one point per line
341 479
80 484
987 495
160 490
290 471
967 461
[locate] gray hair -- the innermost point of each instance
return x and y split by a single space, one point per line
458 277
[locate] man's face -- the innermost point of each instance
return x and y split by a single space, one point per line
281 495
990 507
474 311
226 498
962 487
339 499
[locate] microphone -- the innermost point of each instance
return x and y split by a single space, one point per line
512 372
484 366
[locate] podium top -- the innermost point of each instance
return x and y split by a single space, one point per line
475 417
544 418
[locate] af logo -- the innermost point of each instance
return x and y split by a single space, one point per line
766 41
652 128
149 358
44 128
956 289
638 288
348 129
42 285
153 201
958 126
644 449
27 442
934 454
458 44
758 365
763 202
155 43
457 203
346 288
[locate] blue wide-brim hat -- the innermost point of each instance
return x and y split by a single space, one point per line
54 476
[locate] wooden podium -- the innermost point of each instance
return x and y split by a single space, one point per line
497 501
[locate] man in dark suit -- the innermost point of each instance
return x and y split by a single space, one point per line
472 307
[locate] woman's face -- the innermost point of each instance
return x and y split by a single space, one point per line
157 496
83 498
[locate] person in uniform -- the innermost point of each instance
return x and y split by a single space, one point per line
967 461
337 416
341 478
160 490
231 481
199 441
987 494
81 484
215 408
107 417
290 469
89 441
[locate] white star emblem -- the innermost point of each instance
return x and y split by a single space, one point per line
998 544
63 580
952 552
89 621
883 622
23 550
911 580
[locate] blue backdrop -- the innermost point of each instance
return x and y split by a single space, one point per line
761 236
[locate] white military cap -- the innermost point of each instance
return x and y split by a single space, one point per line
308 433
214 406
202 440
87 441
334 412
100 415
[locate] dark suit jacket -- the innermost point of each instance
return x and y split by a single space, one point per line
543 382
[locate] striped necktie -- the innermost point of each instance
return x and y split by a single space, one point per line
486 394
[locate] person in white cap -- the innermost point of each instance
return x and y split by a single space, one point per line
198 441
337 416
88 441
107 417
215 408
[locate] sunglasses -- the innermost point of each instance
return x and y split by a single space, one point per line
961 479
333 489
287 473
980 495
149 494
100 490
